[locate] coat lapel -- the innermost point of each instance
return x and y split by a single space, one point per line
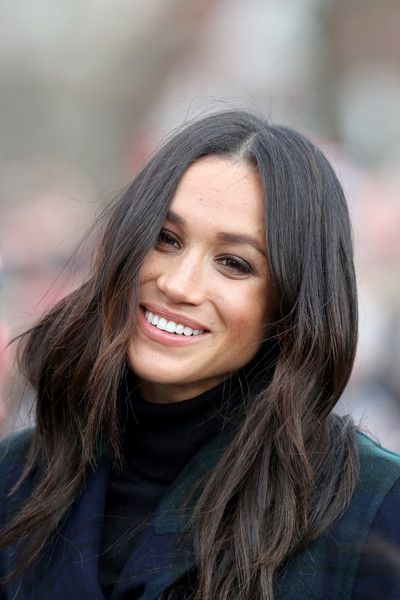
162 555
68 569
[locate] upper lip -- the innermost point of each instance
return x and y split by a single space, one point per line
173 316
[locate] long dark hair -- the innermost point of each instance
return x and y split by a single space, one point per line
291 468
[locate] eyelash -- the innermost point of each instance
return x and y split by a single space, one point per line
237 265
164 237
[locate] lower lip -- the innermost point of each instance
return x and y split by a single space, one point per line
163 337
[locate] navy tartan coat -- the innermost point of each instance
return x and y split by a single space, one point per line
68 568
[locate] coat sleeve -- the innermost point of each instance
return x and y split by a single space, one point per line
378 574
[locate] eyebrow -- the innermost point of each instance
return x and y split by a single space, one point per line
224 236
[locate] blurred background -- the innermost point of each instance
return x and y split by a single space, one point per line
88 89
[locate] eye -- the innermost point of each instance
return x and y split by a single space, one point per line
236 265
166 240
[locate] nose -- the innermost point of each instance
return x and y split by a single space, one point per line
182 281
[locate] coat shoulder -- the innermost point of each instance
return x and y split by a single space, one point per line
328 568
370 447
379 467
15 446
13 454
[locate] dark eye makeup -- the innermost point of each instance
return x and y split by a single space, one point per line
236 265
233 265
165 238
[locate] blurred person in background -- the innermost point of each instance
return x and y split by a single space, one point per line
3 343
39 230
185 444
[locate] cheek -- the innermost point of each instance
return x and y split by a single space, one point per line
246 314
147 270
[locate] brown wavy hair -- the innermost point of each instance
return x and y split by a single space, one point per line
291 467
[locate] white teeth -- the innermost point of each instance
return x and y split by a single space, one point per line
162 323
170 326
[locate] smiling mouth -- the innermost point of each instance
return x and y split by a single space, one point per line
168 326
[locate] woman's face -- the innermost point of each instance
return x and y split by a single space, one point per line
204 296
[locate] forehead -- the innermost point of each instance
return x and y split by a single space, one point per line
222 193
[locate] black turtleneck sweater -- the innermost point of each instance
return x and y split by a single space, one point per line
158 441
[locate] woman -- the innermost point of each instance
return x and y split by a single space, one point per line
184 444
